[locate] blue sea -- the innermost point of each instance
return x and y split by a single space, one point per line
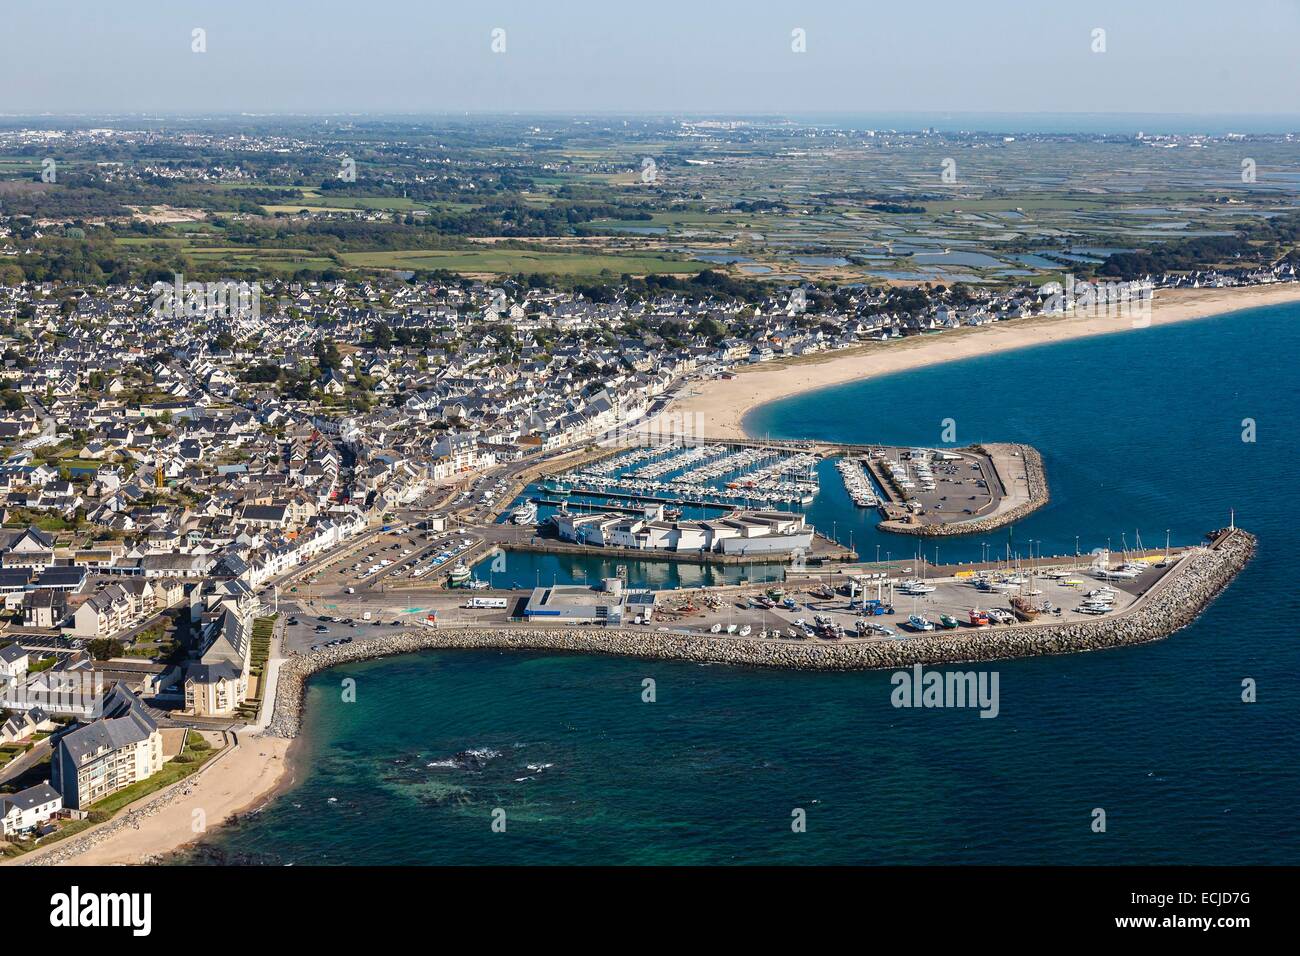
1141 432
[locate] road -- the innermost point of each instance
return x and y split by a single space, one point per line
18 765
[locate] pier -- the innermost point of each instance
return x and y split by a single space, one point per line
1172 602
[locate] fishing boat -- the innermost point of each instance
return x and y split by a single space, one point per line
979 618
1118 574
999 584
557 486
919 623
947 622
1023 609
459 576
915 587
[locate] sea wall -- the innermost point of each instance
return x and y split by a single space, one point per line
1173 602
1039 495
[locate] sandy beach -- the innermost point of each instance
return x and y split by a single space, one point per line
722 404
234 782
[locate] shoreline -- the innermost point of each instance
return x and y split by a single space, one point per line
718 408
241 778
160 825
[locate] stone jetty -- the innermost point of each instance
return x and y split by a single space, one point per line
1039 495
1172 603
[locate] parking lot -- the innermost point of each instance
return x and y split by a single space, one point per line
307 632
409 554
953 488
826 611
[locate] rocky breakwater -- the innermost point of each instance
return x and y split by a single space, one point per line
1173 602
1039 495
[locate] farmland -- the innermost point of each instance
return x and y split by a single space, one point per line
764 200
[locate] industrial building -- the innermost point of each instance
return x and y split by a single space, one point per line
614 605
738 533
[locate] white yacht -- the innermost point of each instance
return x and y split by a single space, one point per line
526 513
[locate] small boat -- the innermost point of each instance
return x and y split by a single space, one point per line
979 618
920 623
947 622
1118 574
915 587
745 630
1023 608
716 629
557 487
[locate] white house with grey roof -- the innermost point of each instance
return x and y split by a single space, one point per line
26 810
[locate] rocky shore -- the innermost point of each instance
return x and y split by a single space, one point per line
1039 495
1172 603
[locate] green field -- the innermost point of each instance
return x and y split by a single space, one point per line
509 261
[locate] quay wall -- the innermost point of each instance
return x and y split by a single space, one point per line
1172 603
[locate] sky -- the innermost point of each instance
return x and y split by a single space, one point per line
650 56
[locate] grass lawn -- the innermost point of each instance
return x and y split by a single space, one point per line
171 772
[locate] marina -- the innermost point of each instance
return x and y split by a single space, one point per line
914 490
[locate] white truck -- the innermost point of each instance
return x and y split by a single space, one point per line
487 602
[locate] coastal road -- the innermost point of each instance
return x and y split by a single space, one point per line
16 767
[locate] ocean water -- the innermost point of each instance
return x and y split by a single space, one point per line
1139 431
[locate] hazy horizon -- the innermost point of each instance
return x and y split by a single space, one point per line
402 57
